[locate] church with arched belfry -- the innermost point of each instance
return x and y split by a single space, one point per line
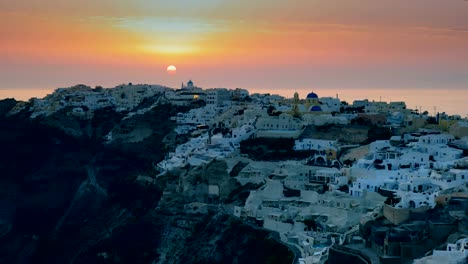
312 104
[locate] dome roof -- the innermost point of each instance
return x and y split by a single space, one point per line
312 96
315 108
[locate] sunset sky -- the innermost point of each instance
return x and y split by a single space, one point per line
262 44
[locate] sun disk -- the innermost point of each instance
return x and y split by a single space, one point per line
171 69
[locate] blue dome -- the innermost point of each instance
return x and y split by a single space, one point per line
315 108
312 96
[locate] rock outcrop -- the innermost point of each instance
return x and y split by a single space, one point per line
70 195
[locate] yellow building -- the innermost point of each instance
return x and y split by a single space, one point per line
445 124
459 129
312 103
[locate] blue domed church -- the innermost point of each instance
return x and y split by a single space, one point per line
312 95
312 102
311 105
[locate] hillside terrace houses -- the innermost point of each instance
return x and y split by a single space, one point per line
214 97
415 174
179 157
459 129
238 115
413 170
413 188
194 152
197 151
218 97
220 110
315 144
394 115
235 122
127 96
323 152
185 96
234 136
239 94
252 174
206 147
288 214
327 118
430 151
197 116
330 104
383 107
332 213
404 122
293 174
284 125
84 99
80 97
449 179
230 118
456 253
266 99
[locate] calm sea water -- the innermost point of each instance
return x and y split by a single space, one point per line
449 101
24 94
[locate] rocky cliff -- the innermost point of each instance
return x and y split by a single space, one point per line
70 193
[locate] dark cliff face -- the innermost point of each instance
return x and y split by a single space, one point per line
67 196
235 243
61 190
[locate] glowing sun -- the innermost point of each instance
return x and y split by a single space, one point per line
171 69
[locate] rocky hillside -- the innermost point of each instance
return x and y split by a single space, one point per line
76 190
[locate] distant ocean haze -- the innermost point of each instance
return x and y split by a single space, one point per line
24 94
450 101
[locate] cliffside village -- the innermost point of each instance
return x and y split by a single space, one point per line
390 200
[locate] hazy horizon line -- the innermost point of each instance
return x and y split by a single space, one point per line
247 88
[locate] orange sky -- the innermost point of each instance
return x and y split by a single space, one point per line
298 44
